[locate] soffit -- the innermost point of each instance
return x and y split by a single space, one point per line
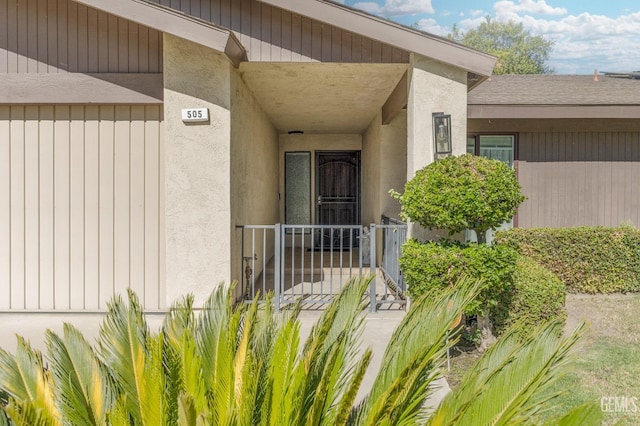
321 98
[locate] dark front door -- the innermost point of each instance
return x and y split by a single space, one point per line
338 188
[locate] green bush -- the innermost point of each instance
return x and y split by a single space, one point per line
537 296
434 266
586 259
459 193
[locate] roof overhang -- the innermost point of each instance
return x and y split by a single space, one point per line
173 22
552 111
81 88
441 49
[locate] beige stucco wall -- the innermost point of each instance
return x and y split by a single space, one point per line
393 168
198 185
371 162
254 174
433 87
384 167
312 143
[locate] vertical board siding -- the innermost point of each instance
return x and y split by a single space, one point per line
271 34
52 36
81 202
579 178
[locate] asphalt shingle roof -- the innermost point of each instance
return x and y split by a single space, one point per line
549 89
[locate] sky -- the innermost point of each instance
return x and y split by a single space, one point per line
587 34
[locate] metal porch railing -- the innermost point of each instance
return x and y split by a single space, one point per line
312 263
394 234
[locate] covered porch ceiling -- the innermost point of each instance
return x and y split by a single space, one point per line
321 97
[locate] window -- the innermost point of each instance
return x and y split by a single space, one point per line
297 188
498 147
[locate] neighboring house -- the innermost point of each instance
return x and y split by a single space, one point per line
575 142
103 186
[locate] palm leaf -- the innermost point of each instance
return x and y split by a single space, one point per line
134 360
119 415
24 378
282 388
584 415
27 413
4 421
512 382
187 415
330 352
183 366
412 358
82 391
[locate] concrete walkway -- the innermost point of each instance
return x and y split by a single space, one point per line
378 329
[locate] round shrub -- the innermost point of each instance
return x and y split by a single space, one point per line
434 266
458 193
537 295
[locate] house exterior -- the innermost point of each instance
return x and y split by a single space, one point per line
574 141
106 182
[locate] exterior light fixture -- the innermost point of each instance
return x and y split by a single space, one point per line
442 134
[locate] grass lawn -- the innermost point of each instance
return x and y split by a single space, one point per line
607 366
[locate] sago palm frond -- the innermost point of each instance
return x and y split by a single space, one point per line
4 421
512 382
26 413
83 395
589 414
330 354
412 359
132 358
183 365
24 378
279 381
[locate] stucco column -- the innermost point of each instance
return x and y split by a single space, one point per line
433 87
197 169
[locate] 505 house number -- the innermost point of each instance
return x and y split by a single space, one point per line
195 115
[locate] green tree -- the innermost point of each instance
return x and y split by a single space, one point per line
243 365
517 50
458 193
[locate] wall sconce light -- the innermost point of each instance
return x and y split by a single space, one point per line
442 134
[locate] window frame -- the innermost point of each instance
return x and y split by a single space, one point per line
476 138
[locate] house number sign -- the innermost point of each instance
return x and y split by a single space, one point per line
195 115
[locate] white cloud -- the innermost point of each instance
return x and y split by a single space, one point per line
477 12
397 7
539 7
431 26
582 42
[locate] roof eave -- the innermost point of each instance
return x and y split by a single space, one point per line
173 22
391 33
509 111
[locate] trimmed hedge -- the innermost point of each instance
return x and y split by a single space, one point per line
537 296
586 259
433 266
